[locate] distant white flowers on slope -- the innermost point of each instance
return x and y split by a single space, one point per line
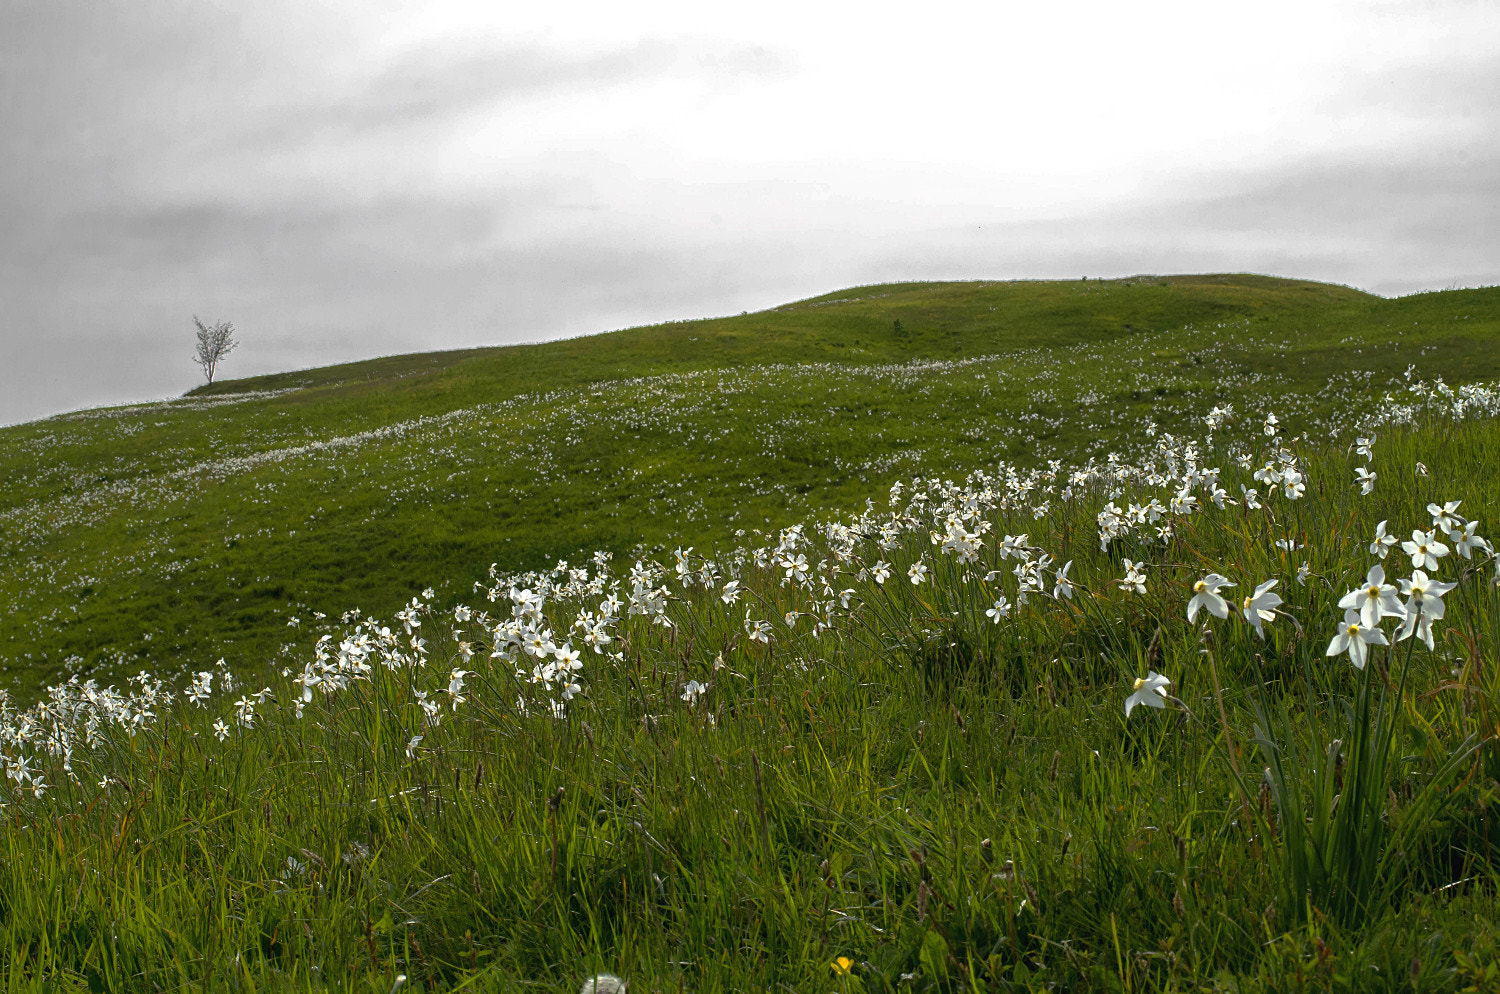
543 616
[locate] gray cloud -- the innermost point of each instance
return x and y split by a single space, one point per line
430 88
1422 220
256 164
309 285
1462 91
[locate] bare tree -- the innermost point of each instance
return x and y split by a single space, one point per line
214 343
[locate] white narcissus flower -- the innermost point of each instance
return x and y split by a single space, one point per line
1375 600
1061 585
1206 595
1150 690
1365 479
917 573
1445 517
1354 638
1424 606
1382 545
1260 606
1000 610
1425 550
1134 580
1465 541
758 631
567 657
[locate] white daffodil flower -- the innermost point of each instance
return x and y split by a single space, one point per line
1375 600
1465 541
1150 690
1134 580
999 611
1382 545
1206 595
1365 479
1425 550
1424 605
1445 517
1260 606
567 657
1354 638
1061 585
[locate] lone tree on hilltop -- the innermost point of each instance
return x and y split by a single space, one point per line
214 343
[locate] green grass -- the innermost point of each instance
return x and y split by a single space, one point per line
174 535
948 802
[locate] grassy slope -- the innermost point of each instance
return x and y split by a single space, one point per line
559 448
828 810
935 821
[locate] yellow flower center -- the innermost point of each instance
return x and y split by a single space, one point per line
1352 629
1140 682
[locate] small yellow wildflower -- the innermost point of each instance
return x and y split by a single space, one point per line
841 965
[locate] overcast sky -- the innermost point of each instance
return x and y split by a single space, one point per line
358 179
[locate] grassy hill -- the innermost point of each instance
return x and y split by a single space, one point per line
178 533
1127 635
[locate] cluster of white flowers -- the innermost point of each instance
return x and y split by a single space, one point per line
1366 607
75 717
824 574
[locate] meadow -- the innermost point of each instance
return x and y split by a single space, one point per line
1035 642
